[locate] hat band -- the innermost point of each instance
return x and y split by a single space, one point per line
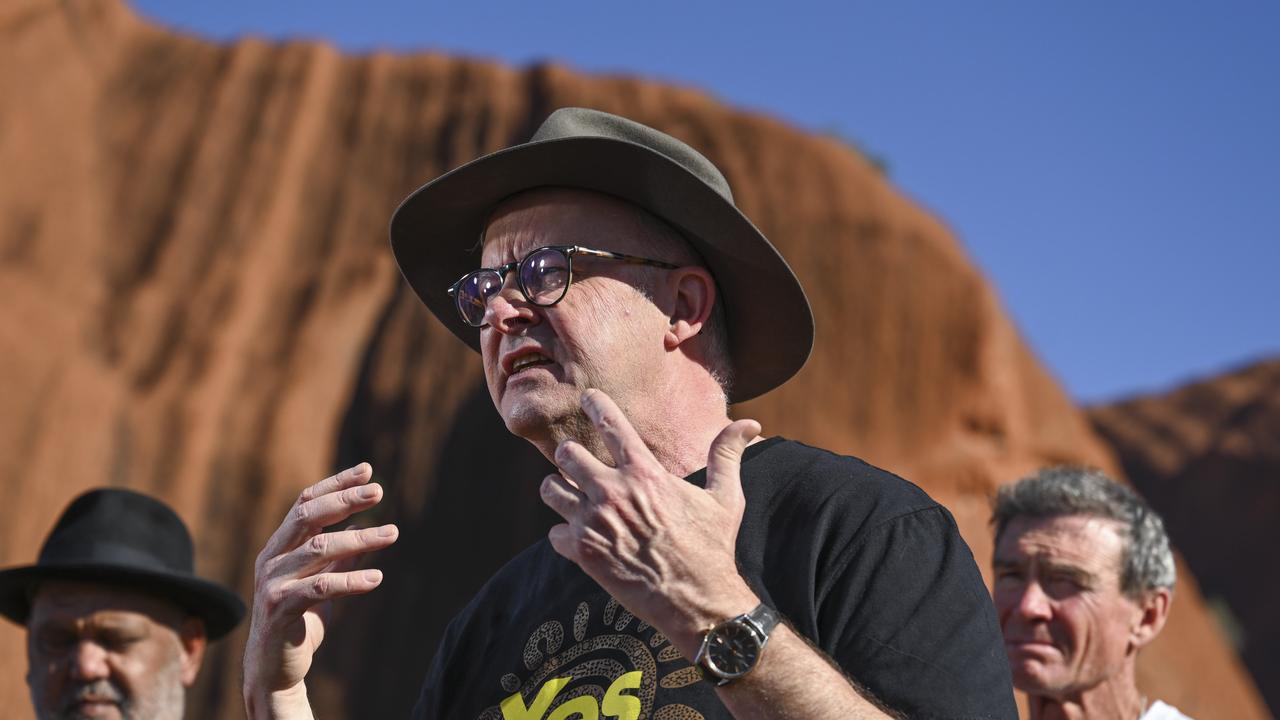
66 552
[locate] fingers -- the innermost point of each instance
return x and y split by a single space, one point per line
300 568
355 475
563 542
585 469
326 549
725 460
321 568
621 439
296 597
329 501
561 496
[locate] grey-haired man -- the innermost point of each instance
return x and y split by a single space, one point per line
1083 581
619 301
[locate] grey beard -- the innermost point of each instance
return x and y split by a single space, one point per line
98 688
167 704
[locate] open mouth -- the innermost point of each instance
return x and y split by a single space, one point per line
524 362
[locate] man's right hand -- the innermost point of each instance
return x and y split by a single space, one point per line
301 568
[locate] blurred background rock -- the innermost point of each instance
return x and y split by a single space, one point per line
199 303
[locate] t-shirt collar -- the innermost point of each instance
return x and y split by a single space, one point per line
699 477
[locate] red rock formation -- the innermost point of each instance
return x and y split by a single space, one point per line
1207 456
200 303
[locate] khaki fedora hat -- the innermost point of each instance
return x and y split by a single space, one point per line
436 230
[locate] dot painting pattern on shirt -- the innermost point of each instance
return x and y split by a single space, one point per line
603 670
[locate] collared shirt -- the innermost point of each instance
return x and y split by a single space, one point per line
1160 711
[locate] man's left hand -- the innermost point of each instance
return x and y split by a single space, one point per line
660 545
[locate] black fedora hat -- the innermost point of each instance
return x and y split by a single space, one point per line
122 538
435 231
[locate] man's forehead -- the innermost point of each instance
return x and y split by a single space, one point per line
1084 541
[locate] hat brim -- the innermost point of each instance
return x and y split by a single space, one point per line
219 608
436 232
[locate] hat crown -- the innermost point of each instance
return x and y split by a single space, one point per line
120 527
576 122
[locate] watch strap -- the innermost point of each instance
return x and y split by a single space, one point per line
765 619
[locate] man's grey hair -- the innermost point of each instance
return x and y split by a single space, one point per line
718 359
716 332
1146 561
716 329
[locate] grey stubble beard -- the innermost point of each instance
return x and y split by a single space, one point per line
169 702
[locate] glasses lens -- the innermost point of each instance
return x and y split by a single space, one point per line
544 275
473 295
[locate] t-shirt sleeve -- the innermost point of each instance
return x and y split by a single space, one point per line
905 613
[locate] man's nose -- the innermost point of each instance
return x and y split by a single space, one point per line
1034 603
89 662
508 311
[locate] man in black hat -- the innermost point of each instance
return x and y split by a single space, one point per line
116 620
620 301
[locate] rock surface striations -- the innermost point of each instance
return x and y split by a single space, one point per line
200 303
1207 457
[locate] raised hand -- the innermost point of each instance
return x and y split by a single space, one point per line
298 571
661 546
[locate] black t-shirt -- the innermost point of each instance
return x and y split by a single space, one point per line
858 560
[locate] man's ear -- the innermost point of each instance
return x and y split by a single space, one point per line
695 294
1154 611
194 641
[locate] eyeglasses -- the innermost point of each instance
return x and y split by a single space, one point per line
543 276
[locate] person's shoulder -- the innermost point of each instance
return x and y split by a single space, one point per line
793 468
833 493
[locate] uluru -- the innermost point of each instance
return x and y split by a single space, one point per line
200 303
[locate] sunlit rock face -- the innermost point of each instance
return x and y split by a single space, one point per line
200 303
1207 456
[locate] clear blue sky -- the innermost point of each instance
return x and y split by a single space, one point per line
1113 168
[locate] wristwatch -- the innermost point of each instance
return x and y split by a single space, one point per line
733 648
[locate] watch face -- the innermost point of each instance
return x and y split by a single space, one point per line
733 649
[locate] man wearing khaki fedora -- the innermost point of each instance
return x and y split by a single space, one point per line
117 623
620 302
